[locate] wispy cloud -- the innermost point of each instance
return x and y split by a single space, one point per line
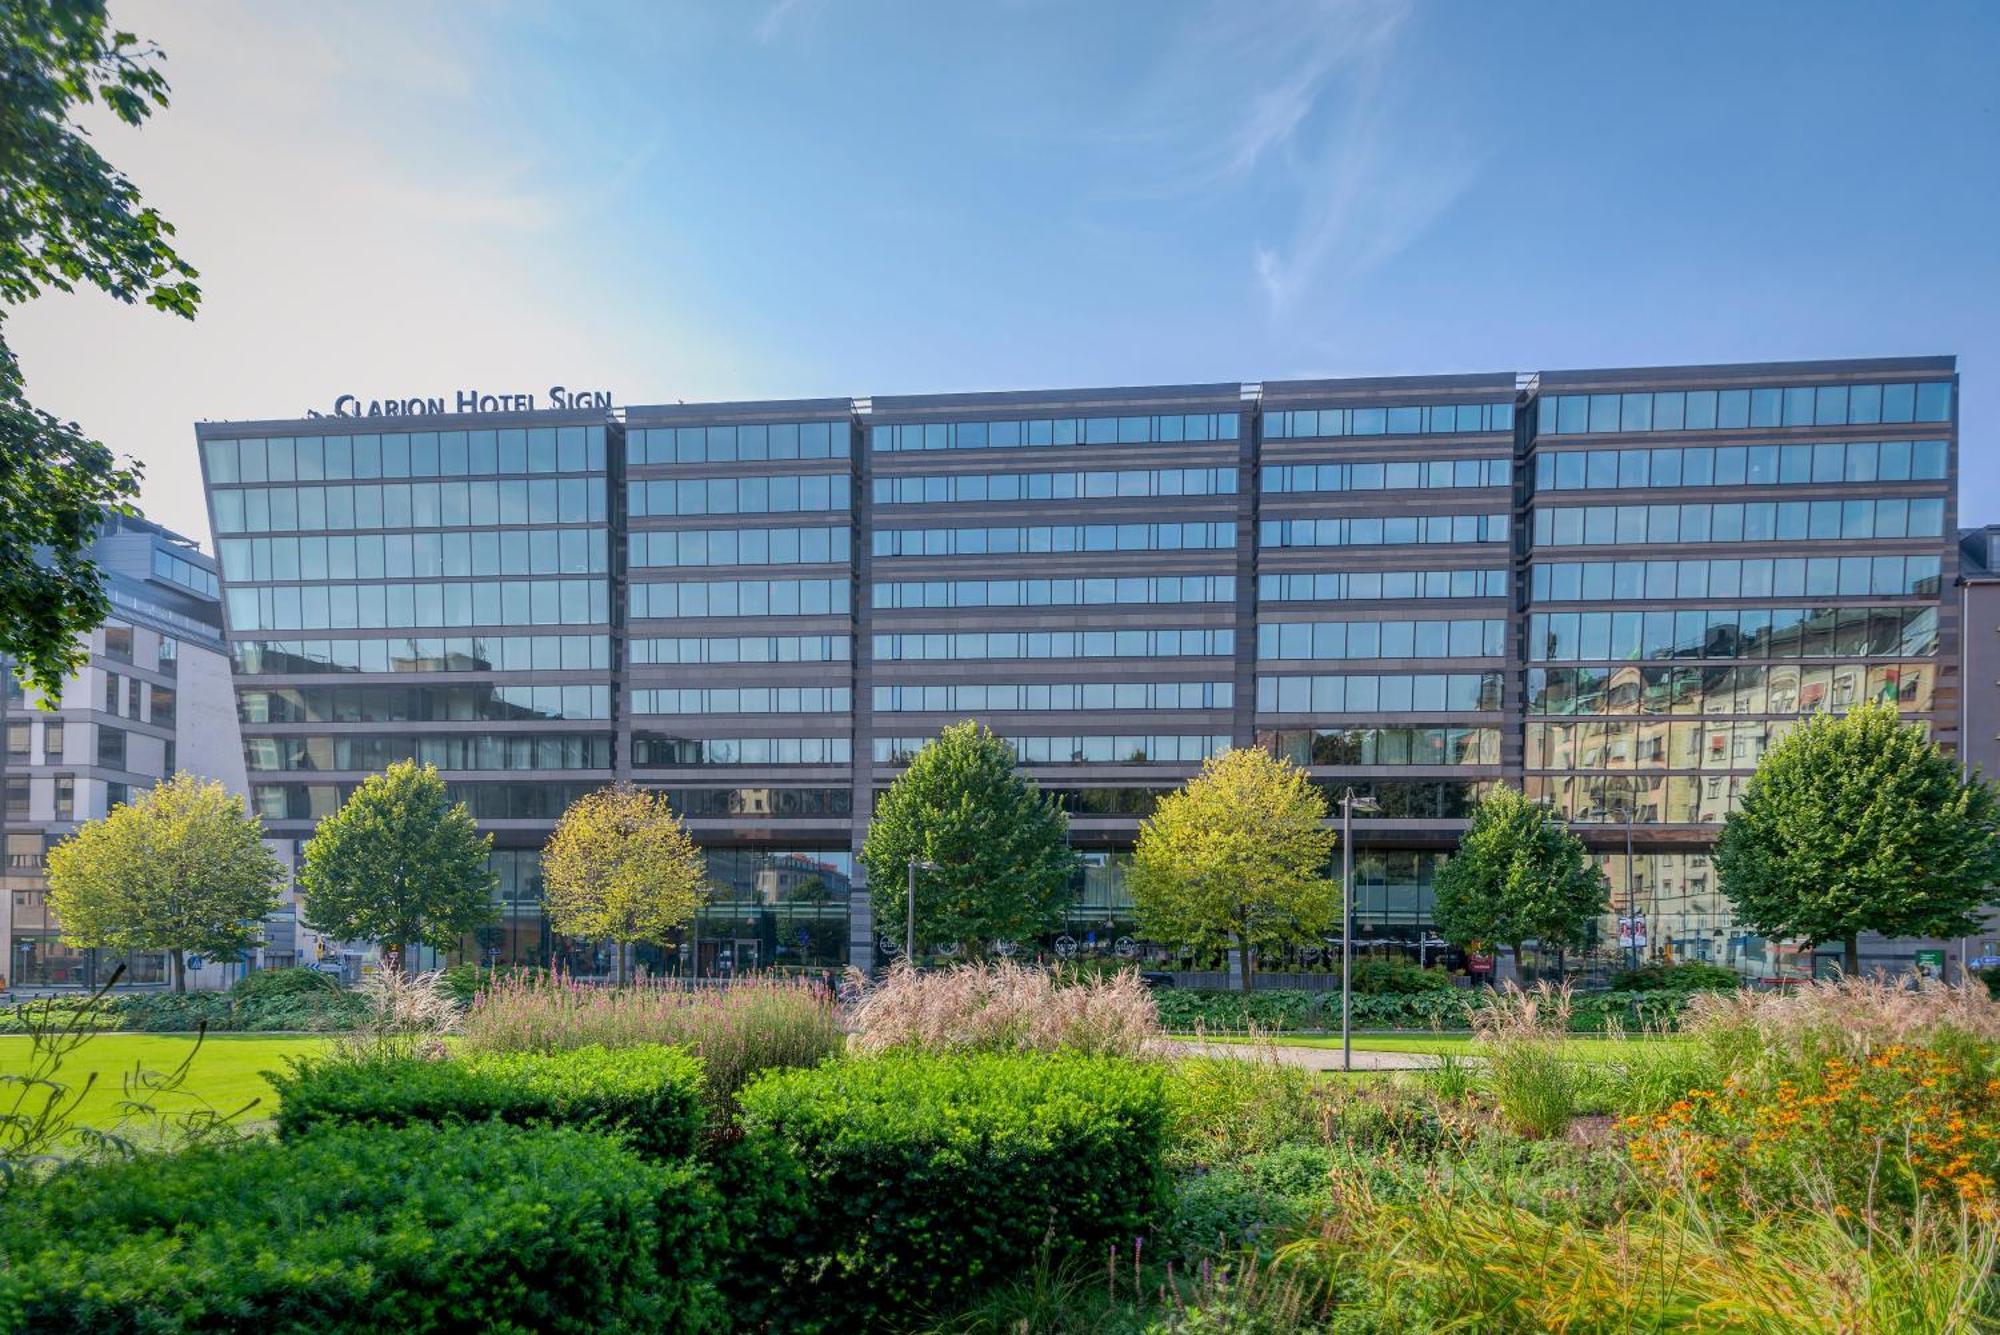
1329 132
783 13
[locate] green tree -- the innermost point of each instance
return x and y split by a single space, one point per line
182 868
1002 851
68 218
400 863
1237 858
1859 822
1518 876
621 868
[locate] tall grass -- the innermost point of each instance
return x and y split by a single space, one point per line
1770 1035
1520 1034
408 1015
1453 1260
1005 1008
750 1026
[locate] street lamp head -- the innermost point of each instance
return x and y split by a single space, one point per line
925 864
1363 805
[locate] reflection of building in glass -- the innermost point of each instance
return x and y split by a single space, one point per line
1614 588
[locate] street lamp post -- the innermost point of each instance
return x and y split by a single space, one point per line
1349 804
910 923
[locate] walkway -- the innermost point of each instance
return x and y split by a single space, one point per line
1313 1059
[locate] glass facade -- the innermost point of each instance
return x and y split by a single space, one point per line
1199 567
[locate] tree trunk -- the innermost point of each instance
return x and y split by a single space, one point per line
1243 954
1853 957
180 969
1520 972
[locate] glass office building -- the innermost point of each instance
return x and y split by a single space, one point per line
1614 588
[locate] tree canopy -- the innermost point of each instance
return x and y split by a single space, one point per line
1518 876
621 868
181 868
1002 849
399 863
1237 858
1859 822
68 218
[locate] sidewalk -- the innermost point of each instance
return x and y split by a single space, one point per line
1313 1059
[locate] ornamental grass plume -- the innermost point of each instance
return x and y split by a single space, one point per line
751 1025
409 1015
1774 1033
1005 1007
1520 1033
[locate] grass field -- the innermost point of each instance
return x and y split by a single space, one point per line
226 1074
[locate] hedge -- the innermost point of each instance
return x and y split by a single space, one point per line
651 1094
1182 1010
323 1010
898 1186
364 1229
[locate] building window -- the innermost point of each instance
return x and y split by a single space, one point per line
170 769
110 747
65 797
111 692
118 642
24 852
17 797
17 741
131 697
52 742
116 795
170 655
163 706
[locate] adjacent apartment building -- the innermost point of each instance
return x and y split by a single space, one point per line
1615 588
154 698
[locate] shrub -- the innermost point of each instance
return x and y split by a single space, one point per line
1183 1010
327 1010
1006 1008
1687 976
738 1031
929 1178
1398 977
651 1095
283 983
353 1229
1254 1203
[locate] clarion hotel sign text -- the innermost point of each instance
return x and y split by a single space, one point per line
466 401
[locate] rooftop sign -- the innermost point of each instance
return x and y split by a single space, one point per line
465 401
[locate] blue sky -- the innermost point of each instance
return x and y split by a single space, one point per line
814 197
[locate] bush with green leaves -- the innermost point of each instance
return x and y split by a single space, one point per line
1686 976
327 1011
652 1095
1398 977
927 1179
358 1229
1252 1203
1290 1010
293 982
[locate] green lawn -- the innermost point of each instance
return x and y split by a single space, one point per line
1582 1047
226 1074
